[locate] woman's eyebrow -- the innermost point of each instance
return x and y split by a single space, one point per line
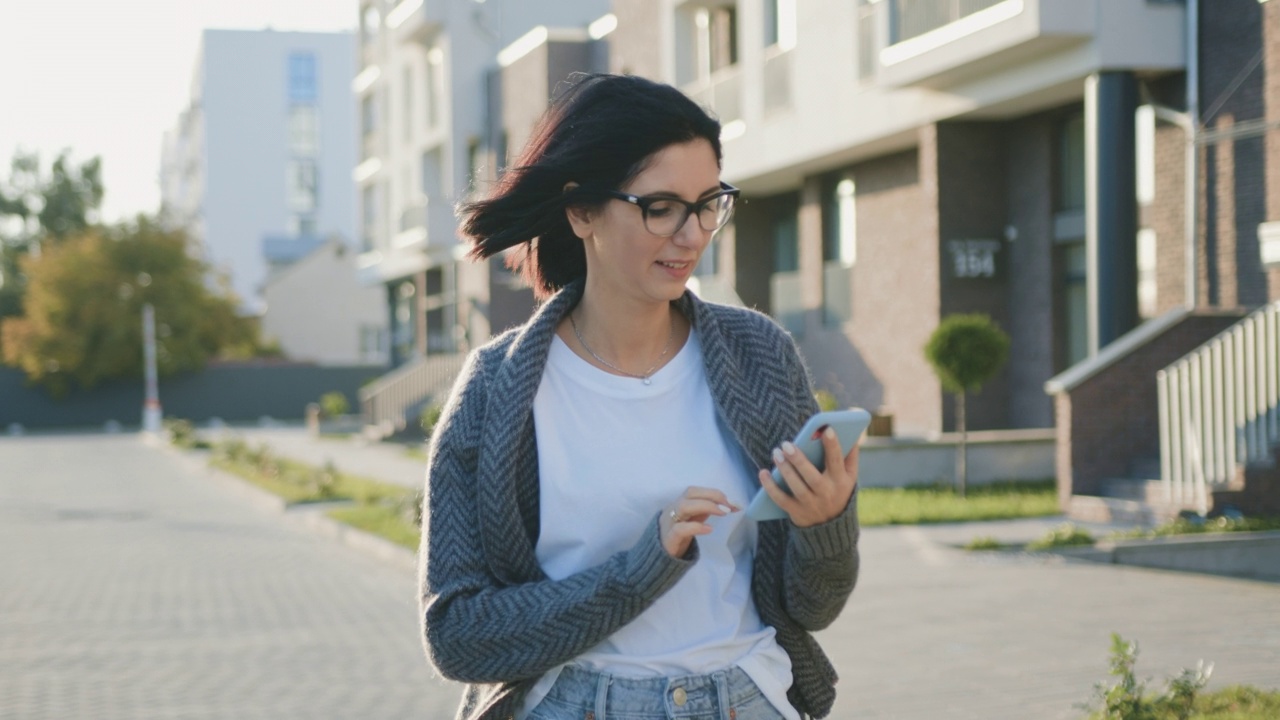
670 194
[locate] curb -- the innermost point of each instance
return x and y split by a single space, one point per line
310 517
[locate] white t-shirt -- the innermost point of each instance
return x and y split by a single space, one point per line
612 453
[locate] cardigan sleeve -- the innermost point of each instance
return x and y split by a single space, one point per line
821 565
478 630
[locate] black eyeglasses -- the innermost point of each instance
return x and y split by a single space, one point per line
664 216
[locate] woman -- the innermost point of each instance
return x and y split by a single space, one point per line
584 551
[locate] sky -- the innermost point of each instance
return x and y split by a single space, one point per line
109 77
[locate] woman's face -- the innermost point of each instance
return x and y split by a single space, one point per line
622 255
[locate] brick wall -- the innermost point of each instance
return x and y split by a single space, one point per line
1110 420
1271 68
877 359
1234 172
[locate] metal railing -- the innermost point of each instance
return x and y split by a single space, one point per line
386 402
1220 408
912 18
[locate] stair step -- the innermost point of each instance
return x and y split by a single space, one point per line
1151 491
1098 509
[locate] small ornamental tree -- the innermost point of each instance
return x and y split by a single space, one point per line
965 352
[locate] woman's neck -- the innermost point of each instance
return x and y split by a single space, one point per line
629 334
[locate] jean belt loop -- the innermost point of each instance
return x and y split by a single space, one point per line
602 694
721 679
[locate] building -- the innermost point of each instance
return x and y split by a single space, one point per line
317 310
426 97
264 148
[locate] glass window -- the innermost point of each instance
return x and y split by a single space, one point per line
723 36
369 209
435 71
304 130
1146 273
780 23
369 115
1145 135
370 23
302 185
1077 304
1071 163
868 41
302 77
408 102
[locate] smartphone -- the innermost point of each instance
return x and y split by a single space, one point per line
849 426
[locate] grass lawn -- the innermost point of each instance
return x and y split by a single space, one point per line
299 483
382 520
997 501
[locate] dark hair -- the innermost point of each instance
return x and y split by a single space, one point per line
599 132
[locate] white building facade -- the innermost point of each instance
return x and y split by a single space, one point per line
264 149
426 99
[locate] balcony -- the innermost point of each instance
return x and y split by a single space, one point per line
427 226
943 43
415 20
721 92
777 80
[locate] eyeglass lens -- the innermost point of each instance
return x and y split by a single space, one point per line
666 217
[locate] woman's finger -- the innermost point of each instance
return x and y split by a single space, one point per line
704 493
797 483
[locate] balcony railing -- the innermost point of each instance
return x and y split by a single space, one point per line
912 18
721 92
777 81
837 293
429 221
1220 408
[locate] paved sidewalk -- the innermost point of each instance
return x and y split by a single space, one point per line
132 588
936 632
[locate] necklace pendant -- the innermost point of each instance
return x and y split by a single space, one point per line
647 381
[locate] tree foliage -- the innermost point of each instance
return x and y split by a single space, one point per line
966 351
39 209
83 308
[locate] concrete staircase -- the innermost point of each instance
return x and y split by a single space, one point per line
1135 500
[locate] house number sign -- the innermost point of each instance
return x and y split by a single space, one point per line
974 259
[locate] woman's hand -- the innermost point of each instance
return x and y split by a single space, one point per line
815 497
687 517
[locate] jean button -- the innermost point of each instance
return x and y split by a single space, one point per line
679 696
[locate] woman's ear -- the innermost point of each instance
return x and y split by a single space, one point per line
579 216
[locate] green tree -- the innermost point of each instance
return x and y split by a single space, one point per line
38 208
965 352
82 314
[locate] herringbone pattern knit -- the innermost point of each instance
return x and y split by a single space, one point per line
492 618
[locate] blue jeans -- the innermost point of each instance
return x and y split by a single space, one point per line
580 694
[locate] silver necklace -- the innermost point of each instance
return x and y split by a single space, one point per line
647 376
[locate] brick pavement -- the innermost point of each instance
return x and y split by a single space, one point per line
132 588
931 632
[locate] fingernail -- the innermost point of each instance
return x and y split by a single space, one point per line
778 457
829 433
788 448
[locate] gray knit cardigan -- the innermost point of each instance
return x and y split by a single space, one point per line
494 620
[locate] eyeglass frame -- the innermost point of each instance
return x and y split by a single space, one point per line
690 208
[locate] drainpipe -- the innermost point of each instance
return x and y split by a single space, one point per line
1192 161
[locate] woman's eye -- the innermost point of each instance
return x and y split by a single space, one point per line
661 209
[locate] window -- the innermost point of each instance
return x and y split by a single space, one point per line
302 77
839 250
370 23
868 49
474 160
304 130
1145 135
1077 303
785 301
369 210
708 41
432 174
1146 273
780 23
1070 195
408 102
435 71
369 115
302 225
302 185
